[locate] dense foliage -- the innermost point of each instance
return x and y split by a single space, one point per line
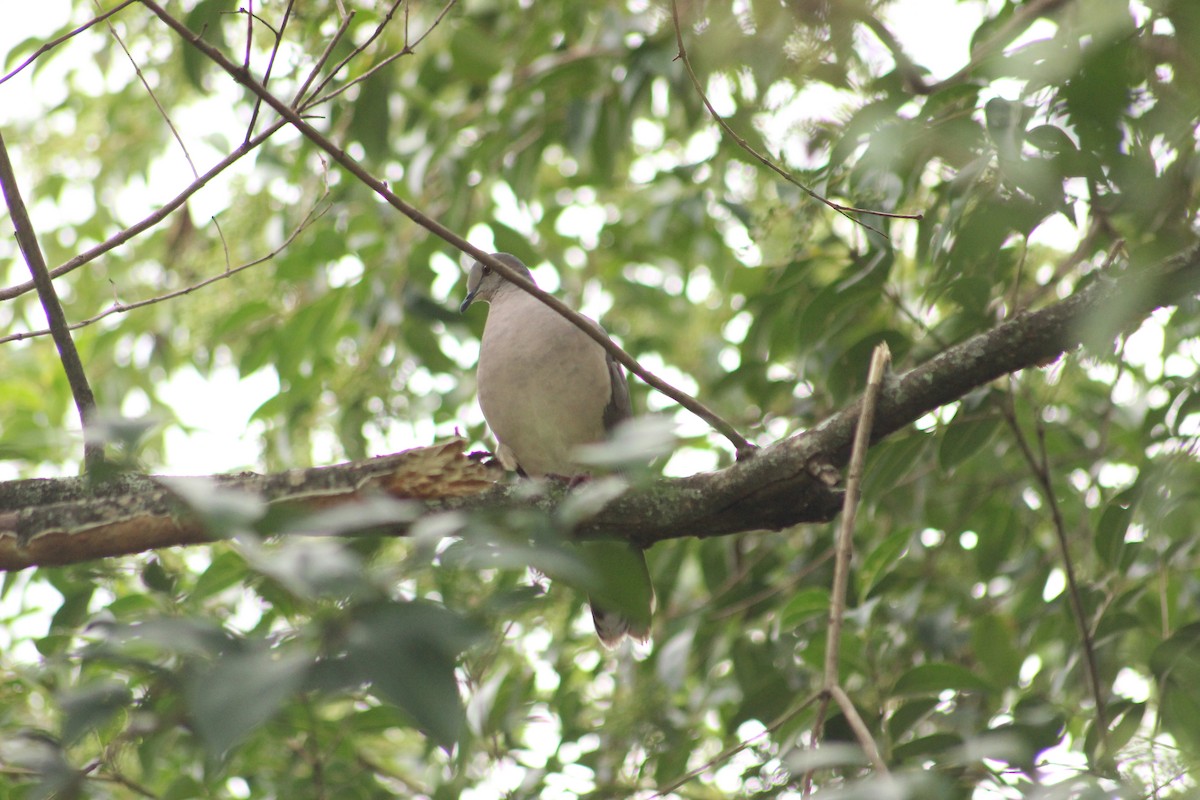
570 135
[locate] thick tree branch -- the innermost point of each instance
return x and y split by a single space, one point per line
63 521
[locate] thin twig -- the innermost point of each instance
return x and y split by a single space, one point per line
844 210
880 359
730 752
350 57
145 83
445 10
409 49
320 63
741 444
249 36
1085 631
48 46
325 98
121 308
119 238
287 15
256 18
859 727
85 401
1040 465
845 535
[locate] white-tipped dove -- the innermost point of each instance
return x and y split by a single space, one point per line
545 388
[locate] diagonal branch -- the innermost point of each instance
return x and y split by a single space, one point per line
85 401
1039 464
48 46
146 84
313 215
352 166
152 219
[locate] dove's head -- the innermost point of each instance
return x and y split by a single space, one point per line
483 282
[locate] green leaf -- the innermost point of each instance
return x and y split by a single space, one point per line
1050 138
1124 720
91 706
372 121
803 606
311 567
226 569
994 642
1114 524
759 680
409 651
894 460
940 677
205 19
21 50
239 692
74 609
157 578
908 715
880 561
619 580
926 746
966 436
997 537
149 637
1176 664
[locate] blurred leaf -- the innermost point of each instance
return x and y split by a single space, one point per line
408 652
1176 664
909 714
994 643
239 692
1050 138
91 706
941 677
226 512
226 569
310 567
1112 528
205 19
881 560
926 747
803 606
964 437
